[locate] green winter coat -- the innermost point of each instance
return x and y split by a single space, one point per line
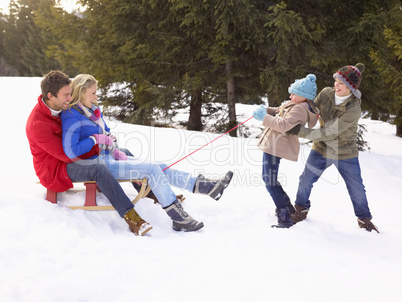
338 138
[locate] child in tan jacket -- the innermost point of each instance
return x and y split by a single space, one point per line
277 144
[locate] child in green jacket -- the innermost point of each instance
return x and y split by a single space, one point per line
336 143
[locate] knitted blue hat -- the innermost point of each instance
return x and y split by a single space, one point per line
305 87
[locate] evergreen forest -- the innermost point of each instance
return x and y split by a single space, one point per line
159 56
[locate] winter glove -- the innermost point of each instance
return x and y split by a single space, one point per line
118 155
114 139
260 113
103 139
295 130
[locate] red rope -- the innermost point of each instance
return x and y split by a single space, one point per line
208 143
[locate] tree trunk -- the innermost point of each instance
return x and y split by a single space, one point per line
194 120
399 125
231 99
399 130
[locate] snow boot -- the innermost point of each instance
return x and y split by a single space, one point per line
137 225
367 224
299 214
284 220
291 208
182 221
212 188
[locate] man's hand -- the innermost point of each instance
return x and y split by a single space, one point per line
295 130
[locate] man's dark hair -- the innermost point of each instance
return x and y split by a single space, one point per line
53 82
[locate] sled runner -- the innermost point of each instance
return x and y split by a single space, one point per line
90 195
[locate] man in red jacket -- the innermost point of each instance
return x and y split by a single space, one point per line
55 170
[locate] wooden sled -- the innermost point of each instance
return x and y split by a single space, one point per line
90 195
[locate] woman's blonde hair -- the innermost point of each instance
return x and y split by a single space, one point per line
78 86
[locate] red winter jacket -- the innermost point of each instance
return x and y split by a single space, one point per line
44 134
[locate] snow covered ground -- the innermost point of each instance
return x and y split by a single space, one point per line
50 253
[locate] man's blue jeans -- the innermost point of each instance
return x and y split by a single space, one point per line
350 172
95 169
270 167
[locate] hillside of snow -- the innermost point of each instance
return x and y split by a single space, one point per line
51 253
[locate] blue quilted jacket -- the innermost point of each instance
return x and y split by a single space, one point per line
77 129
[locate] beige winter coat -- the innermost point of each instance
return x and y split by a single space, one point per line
274 139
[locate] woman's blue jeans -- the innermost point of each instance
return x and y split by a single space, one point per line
270 167
350 171
158 180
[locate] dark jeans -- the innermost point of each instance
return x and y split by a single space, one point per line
270 167
97 170
350 171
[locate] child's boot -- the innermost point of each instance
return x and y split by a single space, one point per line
284 220
367 224
299 214
137 225
291 208
212 188
182 221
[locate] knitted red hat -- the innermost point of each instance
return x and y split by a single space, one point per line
351 76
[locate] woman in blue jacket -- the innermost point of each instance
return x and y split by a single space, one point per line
84 127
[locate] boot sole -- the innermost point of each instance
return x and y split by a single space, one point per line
184 228
144 231
277 226
217 192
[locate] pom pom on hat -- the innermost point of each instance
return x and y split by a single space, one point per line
351 76
361 67
306 87
311 77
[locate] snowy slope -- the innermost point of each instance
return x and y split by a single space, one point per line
50 253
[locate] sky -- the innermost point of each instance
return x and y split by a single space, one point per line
4 5
67 4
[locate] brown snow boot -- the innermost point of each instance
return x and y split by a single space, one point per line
137 225
299 214
366 223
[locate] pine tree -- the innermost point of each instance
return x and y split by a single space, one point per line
169 52
388 62
292 51
321 36
24 43
5 68
177 53
240 49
